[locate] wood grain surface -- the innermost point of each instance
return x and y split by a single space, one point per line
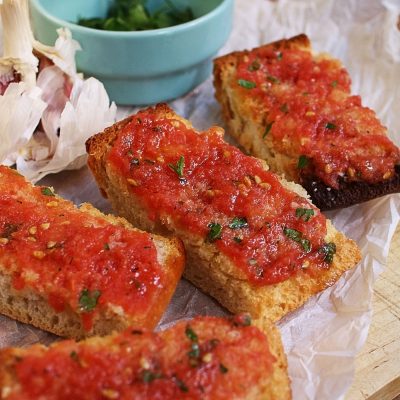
378 365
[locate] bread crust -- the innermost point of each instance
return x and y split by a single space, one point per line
206 267
274 386
30 306
245 119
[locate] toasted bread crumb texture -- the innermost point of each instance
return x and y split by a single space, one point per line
205 358
295 110
221 195
83 264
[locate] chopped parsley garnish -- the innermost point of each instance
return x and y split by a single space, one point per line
181 385
223 369
178 167
246 84
238 223
215 232
303 162
328 250
149 376
330 125
254 66
298 238
135 15
272 79
191 334
279 55
304 213
284 108
237 239
334 83
47 191
74 355
106 246
195 352
268 128
88 299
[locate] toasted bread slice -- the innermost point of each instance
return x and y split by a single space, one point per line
77 272
253 241
205 358
294 109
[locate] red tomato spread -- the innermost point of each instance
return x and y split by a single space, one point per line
310 112
213 190
206 358
72 258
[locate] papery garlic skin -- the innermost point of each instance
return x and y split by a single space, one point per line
63 52
47 110
86 113
17 42
21 108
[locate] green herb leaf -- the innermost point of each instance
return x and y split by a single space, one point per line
149 376
304 213
238 223
132 15
298 238
254 66
47 191
272 79
237 239
279 55
191 334
334 83
106 246
74 355
181 385
303 162
215 232
330 125
178 167
284 108
328 250
195 352
246 84
267 129
88 299
223 369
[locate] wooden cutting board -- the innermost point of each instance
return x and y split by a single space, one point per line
378 365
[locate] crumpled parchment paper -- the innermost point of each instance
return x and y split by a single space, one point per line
323 337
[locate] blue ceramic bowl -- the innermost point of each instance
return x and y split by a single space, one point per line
142 67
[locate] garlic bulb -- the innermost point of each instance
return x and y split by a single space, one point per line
47 110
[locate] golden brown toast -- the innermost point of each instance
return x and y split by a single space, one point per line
253 241
77 272
294 109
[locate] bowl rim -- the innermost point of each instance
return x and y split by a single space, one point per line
130 34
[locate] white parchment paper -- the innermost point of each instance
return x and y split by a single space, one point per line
323 337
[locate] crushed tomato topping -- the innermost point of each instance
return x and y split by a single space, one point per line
74 259
205 358
213 190
309 111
